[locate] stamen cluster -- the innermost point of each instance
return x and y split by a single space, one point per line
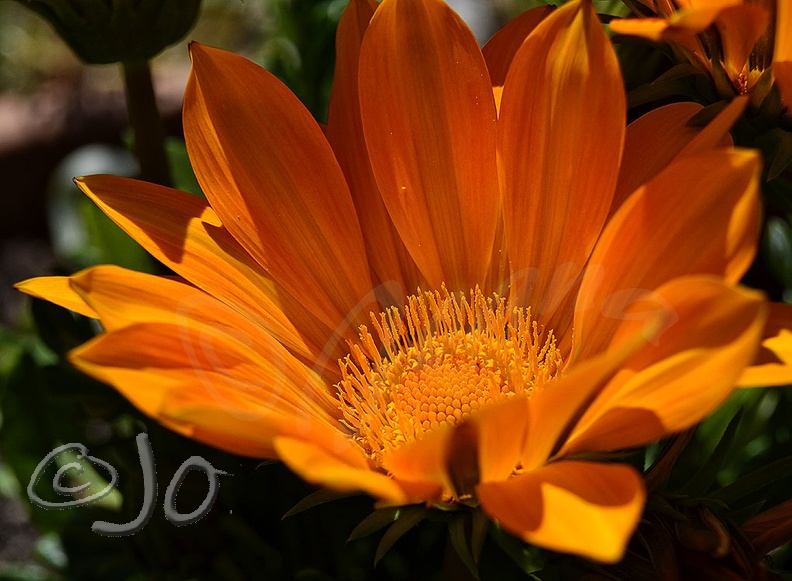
446 356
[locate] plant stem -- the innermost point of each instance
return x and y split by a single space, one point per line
144 119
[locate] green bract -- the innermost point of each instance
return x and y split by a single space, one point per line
107 31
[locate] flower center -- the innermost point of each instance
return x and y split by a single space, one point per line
445 356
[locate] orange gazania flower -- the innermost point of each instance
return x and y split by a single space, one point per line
462 292
737 39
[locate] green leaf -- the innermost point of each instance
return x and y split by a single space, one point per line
478 534
316 498
407 518
744 514
707 114
702 480
457 533
776 146
678 81
680 71
528 558
377 520
778 249
754 481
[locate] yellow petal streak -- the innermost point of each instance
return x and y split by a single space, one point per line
445 356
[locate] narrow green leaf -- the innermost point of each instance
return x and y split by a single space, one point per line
478 534
660 90
528 558
658 504
744 514
776 145
707 114
457 533
680 71
778 246
407 518
377 520
702 480
679 80
754 481
321 496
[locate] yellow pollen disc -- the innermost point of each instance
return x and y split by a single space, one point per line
437 362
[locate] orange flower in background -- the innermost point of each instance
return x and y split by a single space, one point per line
736 39
466 291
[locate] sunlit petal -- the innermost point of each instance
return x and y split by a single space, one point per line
681 222
388 257
270 175
773 363
782 52
185 234
430 125
740 28
318 465
504 44
585 508
57 290
685 373
559 170
657 138
159 366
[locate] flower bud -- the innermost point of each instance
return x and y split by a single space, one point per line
107 31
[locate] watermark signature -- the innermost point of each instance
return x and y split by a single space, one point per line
146 457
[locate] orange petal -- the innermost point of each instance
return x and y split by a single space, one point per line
430 124
739 28
124 297
773 363
56 289
649 28
273 180
585 508
554 411
455 458
240 426
716 134
655 139
185 234
688 21
247 395
498 456
315 464
561 130
782 52
389 259
501 48
700 215
782 71
268 377
682 376
424 461
650 144
771 528
491 443
699 15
